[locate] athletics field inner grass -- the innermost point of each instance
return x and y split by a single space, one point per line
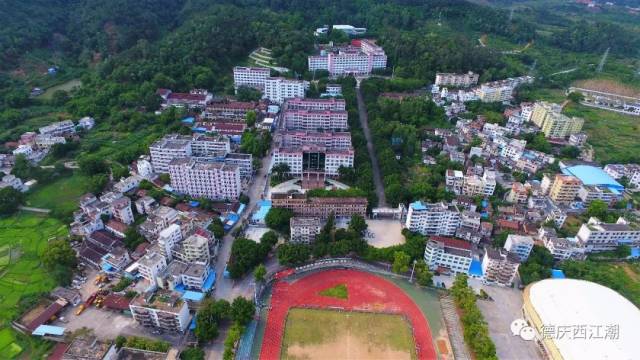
312 334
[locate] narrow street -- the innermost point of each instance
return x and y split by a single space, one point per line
364 123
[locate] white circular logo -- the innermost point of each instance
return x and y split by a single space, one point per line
519 327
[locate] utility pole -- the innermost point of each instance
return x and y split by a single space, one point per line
511 15
603 60
412 270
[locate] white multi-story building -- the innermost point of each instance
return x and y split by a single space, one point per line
314 120
452 254
500 266
164 310
167 149
332 104
209 180
151 265
475 185
514 149
304 229
350 59
250 76
279 89
167 239
47 141
25 150
205 145
127 184
433 219
456 80
313 158
144 167
454 180
630 171
87 123
598 236
193 248
520 245
58 128
121 210
330 140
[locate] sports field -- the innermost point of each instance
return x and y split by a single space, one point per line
321 334
23 239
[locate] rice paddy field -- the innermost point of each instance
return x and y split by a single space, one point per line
23 239
61 195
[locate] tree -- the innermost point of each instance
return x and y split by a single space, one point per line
570 152
246 93
59 97
244 199
250 118
96 183
293 254
132 238
165 178
209 316
217 228
599 209
60 260
278 219
92 165
10 200
259 273
358 224
423 275
576 97
242 310
280 171
192 353
538 265
400 262
245 255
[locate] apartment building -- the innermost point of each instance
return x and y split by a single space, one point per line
304 229
168 148
457 80
58 128
315 120
214 181
121 210
518 194
244 162
433 219
513 149
330 140
541 110
564 189
499 266
193 248
228 109
596 235
207 145
167 239
495 93
163 310
630 171
313 158
560 248
560 126
279 89
151 265
321 207
331 104
521 245
454 180
254 77
475 185
351 59
448 253
47 141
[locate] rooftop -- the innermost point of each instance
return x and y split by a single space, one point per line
591 175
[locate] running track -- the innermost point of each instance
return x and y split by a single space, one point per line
367 292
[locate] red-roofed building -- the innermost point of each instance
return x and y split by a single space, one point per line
46 316
116 302
450 253
507 225
58 351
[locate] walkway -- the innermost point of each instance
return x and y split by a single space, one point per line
454 328
364 123
34 209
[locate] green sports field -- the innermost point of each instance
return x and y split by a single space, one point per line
320 334
23 239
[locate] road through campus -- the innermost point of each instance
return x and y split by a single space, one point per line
367 292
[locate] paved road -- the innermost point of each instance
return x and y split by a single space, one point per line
227 288
364 123
34 209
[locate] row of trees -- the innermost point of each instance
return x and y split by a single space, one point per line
246 254
213 313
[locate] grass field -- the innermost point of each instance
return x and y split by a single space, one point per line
23 239
615 137
321 334
60 195
67 86
339 291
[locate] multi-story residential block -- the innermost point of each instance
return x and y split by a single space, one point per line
526 111
127 184
321 207
499 266
519 193
330 140
331 104
313 158
121 210
163 310
194 99
596 235
560 248
454 180
201 179
513 149
350 59
578 139
151 265
167 149
520 245
470 220
206 145
560 126
145 204
278 89
316 120
47 141
304 229
236 110
630 171
144 167
58 129
254 77
194 248
448 253
494 93
456 80
433 219
244 162
564 188
589 193
541 110
167 239
475 185
14 182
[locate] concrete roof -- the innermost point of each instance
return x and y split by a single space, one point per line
591 175
570 302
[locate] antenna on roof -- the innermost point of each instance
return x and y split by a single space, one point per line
603 60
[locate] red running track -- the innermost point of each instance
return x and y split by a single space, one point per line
367 292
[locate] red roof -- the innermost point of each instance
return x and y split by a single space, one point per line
58 351
452 243
116 302
47 314
187 97
508 224
118 226
183 207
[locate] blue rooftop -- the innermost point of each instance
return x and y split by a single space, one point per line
194 203
180 288
189 120
557 274
418 205
210 281
591 175
635 252
43 330
192 325
263 208
193 295
476 268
